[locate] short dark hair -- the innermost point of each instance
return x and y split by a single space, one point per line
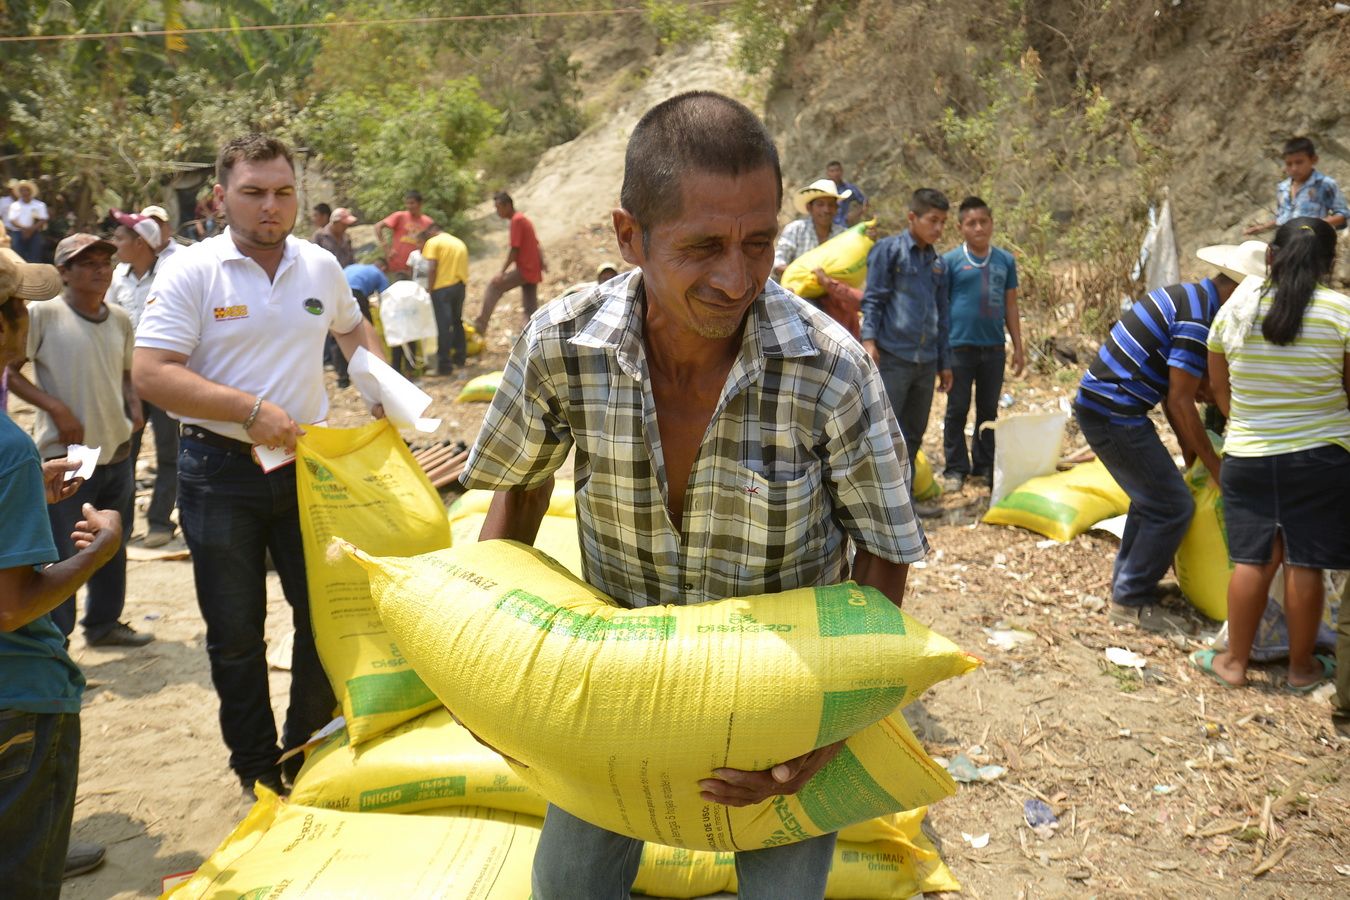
698 131
503 198
834 162
972 202
413 195
925 199
252 147
1299 145
429 231
323 208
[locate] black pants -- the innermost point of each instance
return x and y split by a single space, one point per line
982 368
448 305
332 351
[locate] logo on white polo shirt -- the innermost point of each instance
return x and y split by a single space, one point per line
314 306
238 311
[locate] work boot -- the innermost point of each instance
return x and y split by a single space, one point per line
951 484
1150 617
927 510
81 857
157 537
120 635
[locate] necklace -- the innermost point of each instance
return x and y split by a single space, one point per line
970 259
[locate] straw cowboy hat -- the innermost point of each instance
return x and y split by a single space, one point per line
31 281
1237 261
822 187
32 188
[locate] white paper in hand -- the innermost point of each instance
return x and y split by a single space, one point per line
403 401
87 457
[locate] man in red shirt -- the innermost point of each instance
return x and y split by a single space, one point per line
405 226
525 256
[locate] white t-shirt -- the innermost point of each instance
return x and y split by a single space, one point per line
217 307
24 215
130 292
5 203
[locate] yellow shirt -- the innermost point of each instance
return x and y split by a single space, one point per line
451 258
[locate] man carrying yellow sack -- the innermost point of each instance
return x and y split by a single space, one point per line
731 440
817 202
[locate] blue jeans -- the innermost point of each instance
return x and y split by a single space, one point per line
232 514
576 859
448 305
1161 506
164 497
910 389
39 768
110 487
981 367
31 249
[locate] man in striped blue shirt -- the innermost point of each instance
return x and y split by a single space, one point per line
1155 353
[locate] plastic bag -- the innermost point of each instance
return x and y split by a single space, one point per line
1027 446
406 313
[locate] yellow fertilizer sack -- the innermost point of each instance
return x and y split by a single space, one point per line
481 389
1063 505
843 258
557 537
426 763
473 341
562 502
363 485
902 866
615 714
1202 564
283 851
926 487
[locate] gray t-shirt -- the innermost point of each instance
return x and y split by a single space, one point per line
81 363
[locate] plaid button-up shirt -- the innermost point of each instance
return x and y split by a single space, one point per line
1319 197
797 238
801 451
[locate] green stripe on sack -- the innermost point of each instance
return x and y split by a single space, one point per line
847 712
847 609
545 616
843 793
1042 507
412 792
370 695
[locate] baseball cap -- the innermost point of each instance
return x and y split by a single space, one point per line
344 215
73 246
155 212
606 267
143 225
31 281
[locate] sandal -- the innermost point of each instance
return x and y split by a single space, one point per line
1204 661
1328 669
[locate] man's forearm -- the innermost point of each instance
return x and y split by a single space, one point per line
30 393
882 574
27 594
1185 420
363 335
172 386
510 258
516 514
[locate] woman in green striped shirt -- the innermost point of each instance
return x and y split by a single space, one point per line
1279 364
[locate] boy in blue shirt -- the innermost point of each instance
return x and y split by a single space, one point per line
1306 192
40 685
982 286
906 318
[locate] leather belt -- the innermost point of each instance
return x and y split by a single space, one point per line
211 439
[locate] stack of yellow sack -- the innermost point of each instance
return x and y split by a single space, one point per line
1202 565
405 803
1063 505
557 531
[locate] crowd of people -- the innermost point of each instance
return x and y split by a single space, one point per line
732 439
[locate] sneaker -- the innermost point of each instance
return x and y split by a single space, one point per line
927 510
1150 617
120 635
157 537
952 484
81 857
271 781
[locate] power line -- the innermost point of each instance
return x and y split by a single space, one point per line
347 23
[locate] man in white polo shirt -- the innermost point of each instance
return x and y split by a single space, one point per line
231 344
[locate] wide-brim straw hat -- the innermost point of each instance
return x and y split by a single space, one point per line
1237 261
31 281
822 187
31 187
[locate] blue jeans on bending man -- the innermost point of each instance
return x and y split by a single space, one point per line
1161 507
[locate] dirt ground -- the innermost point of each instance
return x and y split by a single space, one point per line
1163 782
